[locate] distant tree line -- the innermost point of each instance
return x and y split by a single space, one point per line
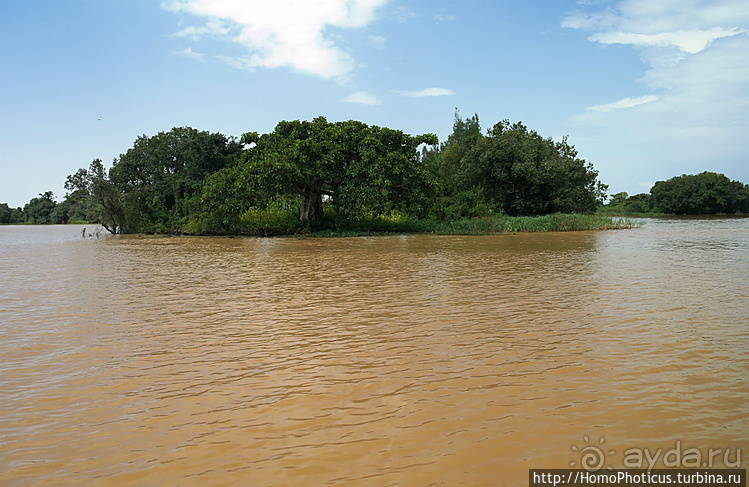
45 209
707 193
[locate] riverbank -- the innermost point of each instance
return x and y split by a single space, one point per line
290 226
398 224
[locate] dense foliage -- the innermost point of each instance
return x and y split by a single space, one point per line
340 176
707 193
43 209
157 184
623 203
10 215
513 170
357 169
701 194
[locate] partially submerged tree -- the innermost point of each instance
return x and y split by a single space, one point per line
156 185
93 184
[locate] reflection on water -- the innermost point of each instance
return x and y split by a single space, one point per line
405 360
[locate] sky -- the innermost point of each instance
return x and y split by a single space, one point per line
644 90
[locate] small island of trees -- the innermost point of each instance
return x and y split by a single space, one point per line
319 176
707 193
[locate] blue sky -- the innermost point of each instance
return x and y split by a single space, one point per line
645 90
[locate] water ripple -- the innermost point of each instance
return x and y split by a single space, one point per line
414 360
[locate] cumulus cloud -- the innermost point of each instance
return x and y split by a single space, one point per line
281 33
689 25
426 92
695 50
694 114
362 98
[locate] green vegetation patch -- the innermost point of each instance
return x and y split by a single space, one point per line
319 177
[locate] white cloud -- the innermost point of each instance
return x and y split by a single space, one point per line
651 17
444 18
694 114
362 98
402 14
213 28
688 41
378 42
624 103
427 92
281 33
191 54
695 51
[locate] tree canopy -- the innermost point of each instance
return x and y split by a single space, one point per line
309 171
516 171
700 194
358 168
41 208
707 193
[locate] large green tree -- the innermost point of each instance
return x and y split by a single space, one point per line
517 171
465 135
700 194
360 169
10 215
156 185
161 177
5 213
40 209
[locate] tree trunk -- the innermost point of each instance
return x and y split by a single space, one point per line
311 208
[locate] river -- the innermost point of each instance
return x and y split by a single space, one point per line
400 360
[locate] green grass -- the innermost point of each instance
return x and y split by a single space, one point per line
496 224
284 221
557 222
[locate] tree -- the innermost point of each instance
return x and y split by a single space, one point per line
361 169
11 215
623 203
618 199
701 194
155 186
5 213
638 203
98 196
516 171
80 204
39 210
447 166
160 178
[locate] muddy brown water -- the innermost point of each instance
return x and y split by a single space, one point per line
403 360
